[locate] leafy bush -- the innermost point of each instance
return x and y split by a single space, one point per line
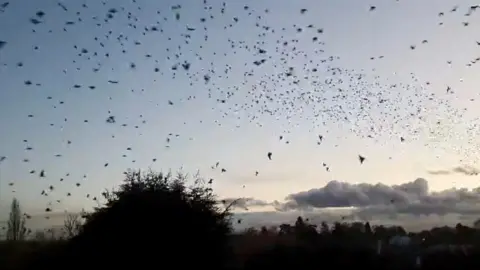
153 219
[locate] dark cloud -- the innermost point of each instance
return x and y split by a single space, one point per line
411 205
440 172
342 194
367 200
466 170
244 203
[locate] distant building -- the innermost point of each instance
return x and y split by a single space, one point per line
400 241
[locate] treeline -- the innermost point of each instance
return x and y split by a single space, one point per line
363 234
359 244
158 221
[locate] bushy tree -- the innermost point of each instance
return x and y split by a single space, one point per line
16 229
156 219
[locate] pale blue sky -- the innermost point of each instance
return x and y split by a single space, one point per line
351 32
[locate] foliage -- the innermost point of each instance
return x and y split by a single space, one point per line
155 210
16 229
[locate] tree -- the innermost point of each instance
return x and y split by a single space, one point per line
339 229
154 219
380 232
304 230
299 223
324 228
285 228
476 224
368 229
16 229
72 225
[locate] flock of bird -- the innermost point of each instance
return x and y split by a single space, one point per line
288 81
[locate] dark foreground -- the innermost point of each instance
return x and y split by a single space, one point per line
249 252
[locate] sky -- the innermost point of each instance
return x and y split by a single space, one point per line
394 84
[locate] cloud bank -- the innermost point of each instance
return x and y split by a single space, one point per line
411 204
413 198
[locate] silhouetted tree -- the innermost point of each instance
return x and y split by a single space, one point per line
368 228
155 219
16 223
264 230
338 229
285 228
299 223
72 225
324 228
476 224
380 232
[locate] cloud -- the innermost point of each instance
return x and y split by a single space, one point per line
244 203
367 200
466 170
411 205
440 172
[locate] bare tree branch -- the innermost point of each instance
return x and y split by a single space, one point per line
72 225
